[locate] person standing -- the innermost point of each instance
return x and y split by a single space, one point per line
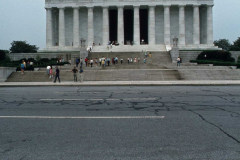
91 62
24 63
86 61
81 62
57 74
74 70
77 62
108 61
178 61
51 73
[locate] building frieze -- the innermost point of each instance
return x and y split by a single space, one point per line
92 3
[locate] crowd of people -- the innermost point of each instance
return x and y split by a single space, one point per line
107 61
25 65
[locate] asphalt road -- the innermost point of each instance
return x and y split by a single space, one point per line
120 123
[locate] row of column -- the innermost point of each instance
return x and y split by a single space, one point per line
151 27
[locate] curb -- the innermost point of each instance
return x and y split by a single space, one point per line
122 83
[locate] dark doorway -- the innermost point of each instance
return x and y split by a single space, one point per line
144 25
128 26
113 17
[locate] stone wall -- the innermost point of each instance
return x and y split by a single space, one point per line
188 55
5 72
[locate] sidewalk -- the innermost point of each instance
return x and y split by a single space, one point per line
125 83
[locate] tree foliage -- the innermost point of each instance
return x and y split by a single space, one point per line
22 47
236 45
223 43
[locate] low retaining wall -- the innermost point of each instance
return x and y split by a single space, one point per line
186 56
19 56
5 72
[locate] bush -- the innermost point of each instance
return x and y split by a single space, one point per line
224 56
2 55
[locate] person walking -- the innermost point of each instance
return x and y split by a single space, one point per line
81 74
57 74
74 70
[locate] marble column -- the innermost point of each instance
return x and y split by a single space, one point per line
182 40
76 39
105 25
90 26
49 31
136 29
209 25
151 26
61 27
167 36
196 25
120 26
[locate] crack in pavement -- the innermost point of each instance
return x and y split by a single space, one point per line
211 123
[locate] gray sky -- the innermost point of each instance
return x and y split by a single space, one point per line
26 20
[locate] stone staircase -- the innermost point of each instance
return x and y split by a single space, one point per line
157 68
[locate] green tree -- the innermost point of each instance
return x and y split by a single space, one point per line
3 54
223 43
236 45
22 47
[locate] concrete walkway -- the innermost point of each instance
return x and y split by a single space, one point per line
125 83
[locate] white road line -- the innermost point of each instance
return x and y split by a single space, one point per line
82 117
112 99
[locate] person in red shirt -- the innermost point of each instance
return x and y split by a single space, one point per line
86 61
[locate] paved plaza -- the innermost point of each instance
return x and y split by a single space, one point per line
120 123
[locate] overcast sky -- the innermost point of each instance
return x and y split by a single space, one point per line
26 20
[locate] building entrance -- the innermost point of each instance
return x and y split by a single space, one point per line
128 26
113 17
144 26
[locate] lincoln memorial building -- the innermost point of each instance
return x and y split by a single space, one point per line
151 24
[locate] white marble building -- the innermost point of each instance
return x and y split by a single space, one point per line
141 23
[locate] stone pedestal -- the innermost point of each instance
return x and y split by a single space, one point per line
175 50
174 54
